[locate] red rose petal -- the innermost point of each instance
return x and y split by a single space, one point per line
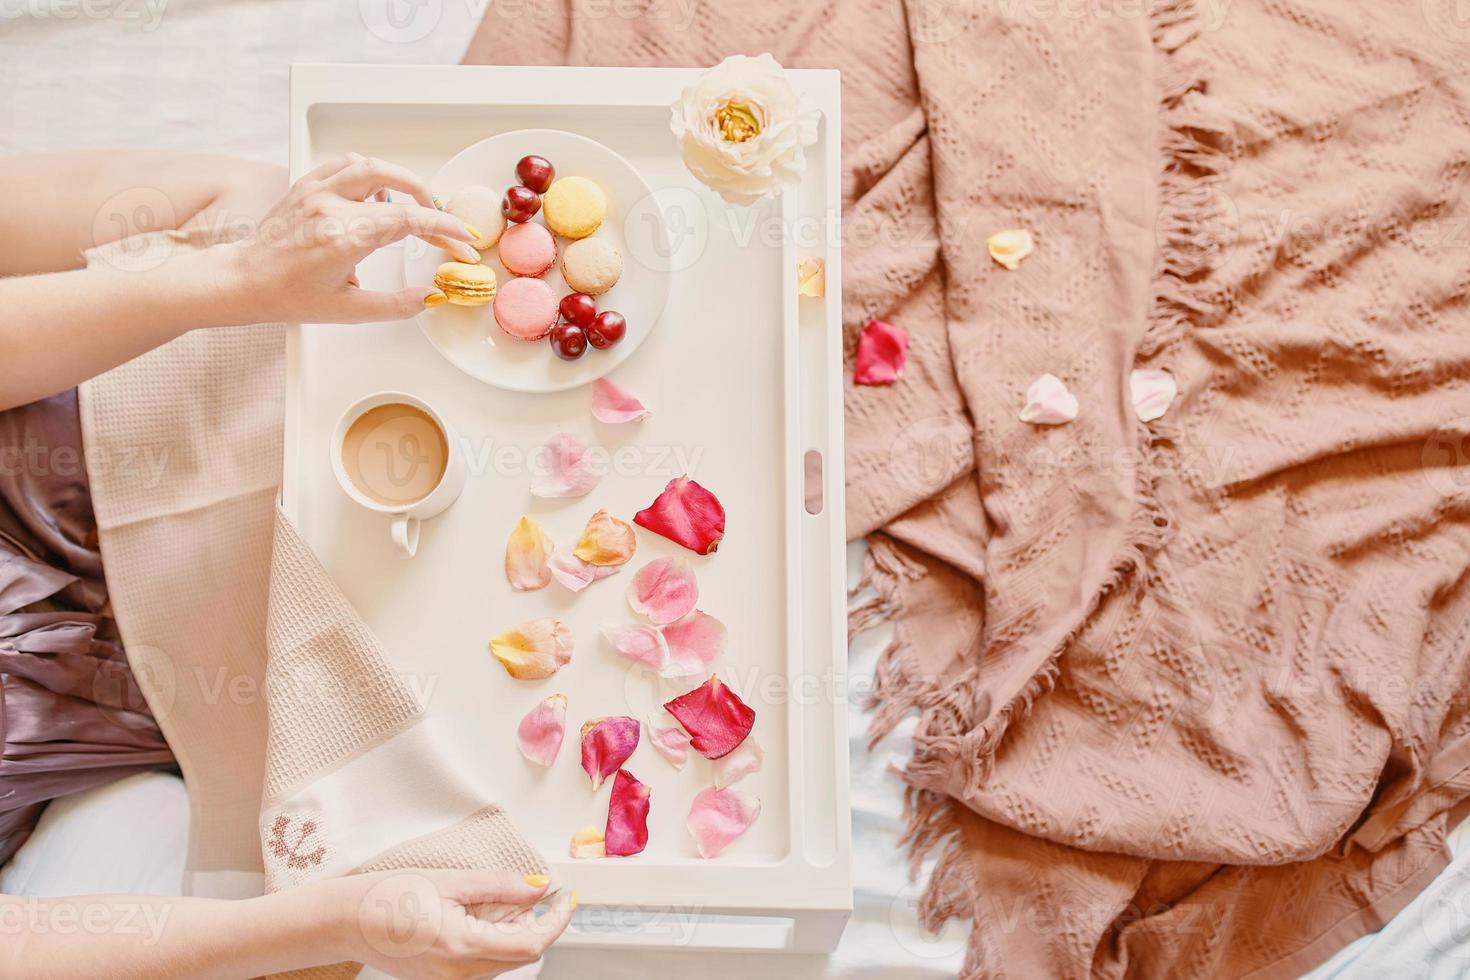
686 513
627 815
883 350
606 745
715 718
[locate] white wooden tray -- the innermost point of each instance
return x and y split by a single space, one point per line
745 384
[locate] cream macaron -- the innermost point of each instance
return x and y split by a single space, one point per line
591 265
479 208
574 207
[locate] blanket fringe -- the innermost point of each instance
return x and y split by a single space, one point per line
956 726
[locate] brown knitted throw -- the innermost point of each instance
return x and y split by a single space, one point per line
1191 694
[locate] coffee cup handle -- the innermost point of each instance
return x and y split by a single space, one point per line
405 532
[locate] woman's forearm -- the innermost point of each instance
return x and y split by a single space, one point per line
60 329
141 936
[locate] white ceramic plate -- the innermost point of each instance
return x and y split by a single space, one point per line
468 336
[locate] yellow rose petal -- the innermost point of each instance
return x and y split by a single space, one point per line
811 276
1010 247
533 650
606 540
588 843
526 552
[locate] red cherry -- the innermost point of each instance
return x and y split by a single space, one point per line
578 308
568 340
606 329
536 173
520 204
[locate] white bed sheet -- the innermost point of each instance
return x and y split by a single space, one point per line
211 76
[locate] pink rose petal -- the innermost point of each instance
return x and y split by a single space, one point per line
627 815
541 731
694 643
715 718
1152 391
669 741
746 759
615 406
664 590
573 572
686 513
1048 402
718 817
882 352
563 468
638 642
606 745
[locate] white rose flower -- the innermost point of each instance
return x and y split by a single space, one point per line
742 129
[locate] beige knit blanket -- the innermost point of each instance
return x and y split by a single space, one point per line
1191 695
305 753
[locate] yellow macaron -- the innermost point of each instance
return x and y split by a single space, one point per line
574 207
464 284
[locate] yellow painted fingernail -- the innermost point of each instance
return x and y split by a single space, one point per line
538 881
574 901
473 231
435 299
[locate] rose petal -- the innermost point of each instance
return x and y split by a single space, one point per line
686 513
669 741
606 745
1152 391
627 815
534 650
882 352
811 276
613 405
694 643
525 556
563 468
606 540
588 843
715 718
744 760
541 731
718 817
1048 402
639 642
573 572
664 590
1010 247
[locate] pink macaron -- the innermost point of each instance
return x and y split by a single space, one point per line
525 308
527 249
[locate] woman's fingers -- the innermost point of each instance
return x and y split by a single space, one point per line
330 167
365 177
366 305
392 222
525 938
506 887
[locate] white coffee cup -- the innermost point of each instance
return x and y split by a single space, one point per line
394 454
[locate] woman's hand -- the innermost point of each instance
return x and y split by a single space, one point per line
418 925
298 263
